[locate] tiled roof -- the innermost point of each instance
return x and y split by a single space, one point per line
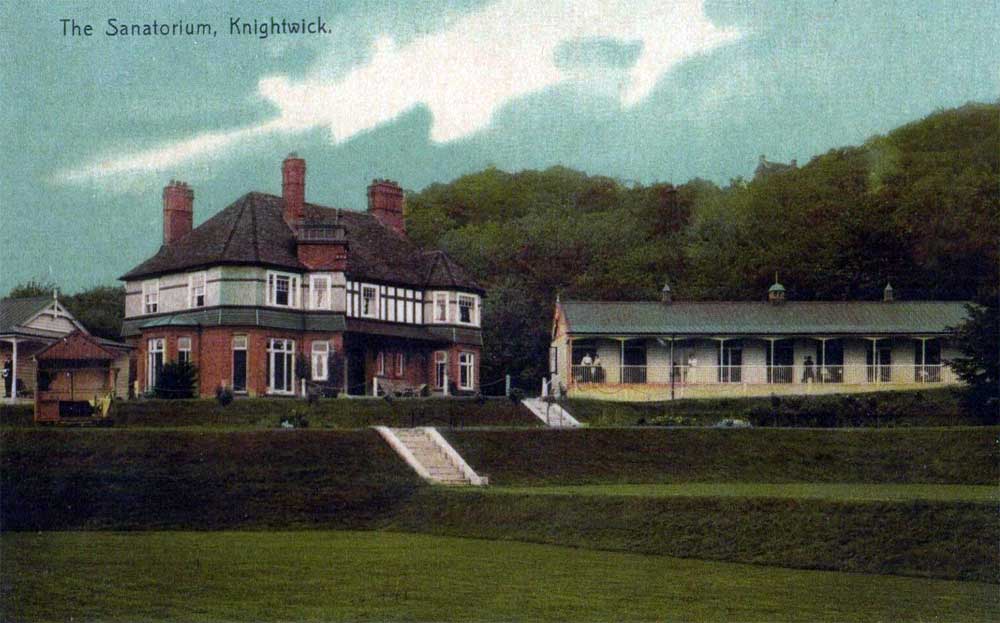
17 311
760 318
252 231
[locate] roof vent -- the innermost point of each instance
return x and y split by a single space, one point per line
776 293
666 295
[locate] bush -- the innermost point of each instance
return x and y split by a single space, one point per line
223 395
296 419
176 380
516 395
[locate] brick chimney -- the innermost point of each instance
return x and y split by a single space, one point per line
293 189
385 203
178 211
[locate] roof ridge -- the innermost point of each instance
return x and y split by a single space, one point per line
232 230
253 232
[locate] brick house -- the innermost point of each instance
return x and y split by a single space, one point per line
270 278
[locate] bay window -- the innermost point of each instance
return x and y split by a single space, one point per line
184 350
319 291
154 361
282 289
239 363
280 366
466 370
320 361
466 309
440 307
369 301
196 290
150 296
440 368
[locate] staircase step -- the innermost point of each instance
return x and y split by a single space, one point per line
434 461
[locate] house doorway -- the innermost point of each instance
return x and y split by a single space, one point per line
356 381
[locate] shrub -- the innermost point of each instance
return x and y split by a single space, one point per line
176 380
223 395
516 395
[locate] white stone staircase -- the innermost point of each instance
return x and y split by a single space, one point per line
431 456
551 414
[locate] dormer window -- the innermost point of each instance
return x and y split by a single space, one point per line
282 289
196 290
151 296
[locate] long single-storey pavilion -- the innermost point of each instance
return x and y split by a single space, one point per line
657 350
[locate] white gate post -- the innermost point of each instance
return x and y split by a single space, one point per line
13 373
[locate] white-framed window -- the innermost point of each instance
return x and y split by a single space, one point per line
466 370
239 363
440 307
196 290
440 368
320 291
280 366
184 350
380 364
154 361
150 296
467 309
400 364
320 361
282 289
369 301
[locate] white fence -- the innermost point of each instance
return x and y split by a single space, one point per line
763 375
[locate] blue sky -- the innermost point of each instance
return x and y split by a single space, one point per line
94 127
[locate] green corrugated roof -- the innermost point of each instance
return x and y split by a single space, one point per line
239 316
760 318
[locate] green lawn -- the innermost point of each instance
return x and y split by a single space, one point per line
823 491
187 576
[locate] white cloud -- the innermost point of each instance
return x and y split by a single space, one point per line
463 74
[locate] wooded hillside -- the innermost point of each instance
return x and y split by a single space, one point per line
917 207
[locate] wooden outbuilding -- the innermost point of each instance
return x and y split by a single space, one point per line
76 379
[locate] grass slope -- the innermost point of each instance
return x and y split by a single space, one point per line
793 491
60 479
267 413
379 576
609 456
951 540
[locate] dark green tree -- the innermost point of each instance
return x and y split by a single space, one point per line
979 367
178 379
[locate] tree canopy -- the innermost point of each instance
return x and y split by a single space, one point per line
917 207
